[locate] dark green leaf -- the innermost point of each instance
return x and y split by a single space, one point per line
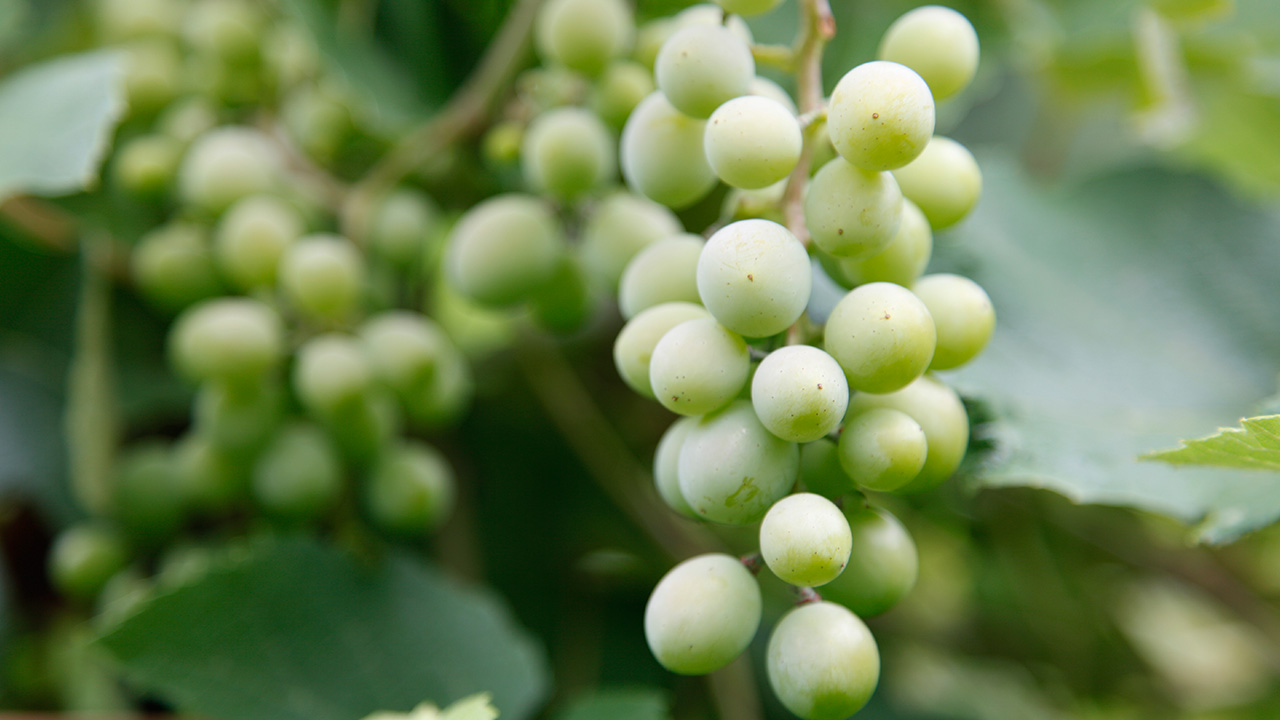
619 704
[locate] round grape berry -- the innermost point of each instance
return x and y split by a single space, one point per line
503 249
633 348
852 213
700 67
882 565
883 449
752 142
805 540
755 277
940 414
251 238
619 227
937 42
880 115
411 489
702 614
235 340
584 34
963 314
822 662
666 466
663 156
698 366
944 181
567 152
323 276
666 271
901 262
799 393
882 335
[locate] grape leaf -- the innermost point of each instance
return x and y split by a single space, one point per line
1253 446
296 630
56 120
476 707
640 703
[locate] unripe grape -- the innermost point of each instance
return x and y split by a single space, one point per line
618 227
584 34
152 76
633 348
666 465
700 67
187 119
84 558
411 490
416 359
322 275
226 164
764 87
235 340
551 87
363 428
332 372
228 29
299 476
402 224
963 314
145 496
239 419
805 540
702 614
880 115
820 469
666 271
128 19
755 277
882 335
752 142
318 119
618 92
290 54
901 262
251 238
748 7
503 249
712 14
442 401
852 213
501 143
173 266
944 181
799 393
662 154
883 449
882 565
942 417
211 480
822 662
937 42
762 204
649 39
698 367
732 470
567 152
146 165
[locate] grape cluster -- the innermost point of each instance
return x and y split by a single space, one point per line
316 377
720 332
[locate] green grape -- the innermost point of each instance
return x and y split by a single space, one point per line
211 480
446 397
666 466
633 348
666 271
702 614
755 277
84 557
701 67
251 238
184 563
584 34
174 267
152 76
318 119
500 146
662 154
235 340
963 314
237 419
618 227
566 302
852 213
882 335
880 115
299 476
226 164
649 39
698 367
883 449
145 497
411 489
944 181
118 20
805 540
764 87
823 151
732 470
365 427
937 42
545 88
820 469
712 14
752 142
942 417
762 204
187 119
618 92
146 165
748 7
901 262
290 54
822 662
323 276
882 566
799 393
566 152
402 224
123 595
417 360
230 30
332 372
503 249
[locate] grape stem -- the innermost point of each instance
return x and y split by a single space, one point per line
806 595
781 57
91 422
818 26
753 562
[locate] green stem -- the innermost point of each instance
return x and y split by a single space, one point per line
818 26
91 423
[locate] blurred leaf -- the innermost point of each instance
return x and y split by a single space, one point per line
1134 311
301 631
1237 136
476 707
619 704
56 120
1254 446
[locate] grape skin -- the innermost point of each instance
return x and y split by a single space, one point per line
882 335
820 469
755 277
702 614
698 366
822 661
238 420
332 373
945 181
624 84
226 164
666 271
411 489
618 227
701 67
883 449
174 266
711 14
567 152
404 221
503 249
764 87
937 42
146 165
963 314
299 476
84 558
732 470
584 34
852 213
940 414
752 142
883 563
904 260
633 348
666 466
799 393
662 154
323 276
252 237
880 116
228 339
805 540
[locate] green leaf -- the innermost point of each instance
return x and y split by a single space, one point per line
476 707
56 120
302 631
639 703
1253 446
1133 311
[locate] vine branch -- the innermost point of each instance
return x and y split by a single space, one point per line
818 27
